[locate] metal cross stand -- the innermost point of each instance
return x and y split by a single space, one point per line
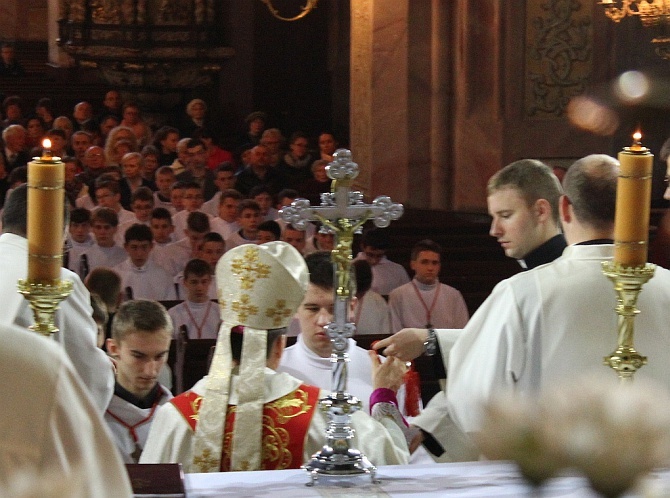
342 212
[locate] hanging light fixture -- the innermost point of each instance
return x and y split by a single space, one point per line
652 14
305 9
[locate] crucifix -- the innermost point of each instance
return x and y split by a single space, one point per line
343 213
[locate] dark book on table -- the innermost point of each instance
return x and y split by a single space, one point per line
156 479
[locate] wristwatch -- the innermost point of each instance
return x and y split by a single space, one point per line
430 344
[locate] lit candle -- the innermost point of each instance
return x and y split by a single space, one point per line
46 197
633 200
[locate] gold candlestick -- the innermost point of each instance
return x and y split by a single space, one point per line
44 300
44 288
628 282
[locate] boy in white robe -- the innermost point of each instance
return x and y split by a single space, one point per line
425 302
248 217
141 276
197 312
141 334
105 252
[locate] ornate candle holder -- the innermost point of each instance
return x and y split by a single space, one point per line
44 300
628 282
342 212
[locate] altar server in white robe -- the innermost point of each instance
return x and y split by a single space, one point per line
53 436
553 322
523 204
425 301
141 334
74 318
260 288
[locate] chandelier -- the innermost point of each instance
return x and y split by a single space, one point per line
304 10
652 14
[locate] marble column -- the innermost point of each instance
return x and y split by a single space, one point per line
378 111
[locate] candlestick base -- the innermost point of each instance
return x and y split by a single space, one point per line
628 282
44 300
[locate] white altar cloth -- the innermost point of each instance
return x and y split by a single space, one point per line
469 479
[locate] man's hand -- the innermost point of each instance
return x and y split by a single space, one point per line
388 374
404 345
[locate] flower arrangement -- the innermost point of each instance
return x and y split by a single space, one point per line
613 433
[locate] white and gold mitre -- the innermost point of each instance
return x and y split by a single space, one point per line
259 287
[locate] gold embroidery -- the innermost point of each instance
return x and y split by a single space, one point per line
244 308
195 406
222 302
290 406
279 312
249 268
275 445
206 462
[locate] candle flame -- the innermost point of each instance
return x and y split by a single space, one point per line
637 136
46 143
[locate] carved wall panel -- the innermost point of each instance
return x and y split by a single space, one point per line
558 54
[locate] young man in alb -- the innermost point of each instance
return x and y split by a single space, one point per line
141 277
197 312
141 204
161 226
425 302
211 250
141 334
226 221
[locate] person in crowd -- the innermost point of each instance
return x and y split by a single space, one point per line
111 105
132 118
198 313
193 201
14 152
118 134
82 114
9 65
173 257
150 163
258 172
140 342
107 124
104 252
77 330
215 154
45 111
265 200
132 165
297 238
273 140
79 230
312 188
165 140
268 231
248 217
196 112
53 433
196 169
226 222
236 443
108 194
35 132
179 164
224 180
386 275
255 123
165 179
327 146
12 107
64 123
161 226
425 302
141 276
79 143
295 165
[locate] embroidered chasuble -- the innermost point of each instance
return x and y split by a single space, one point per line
286 421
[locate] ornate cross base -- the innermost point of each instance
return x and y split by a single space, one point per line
337 458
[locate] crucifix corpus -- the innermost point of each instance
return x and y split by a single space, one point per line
343 213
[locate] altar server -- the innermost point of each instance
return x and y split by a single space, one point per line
141 334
